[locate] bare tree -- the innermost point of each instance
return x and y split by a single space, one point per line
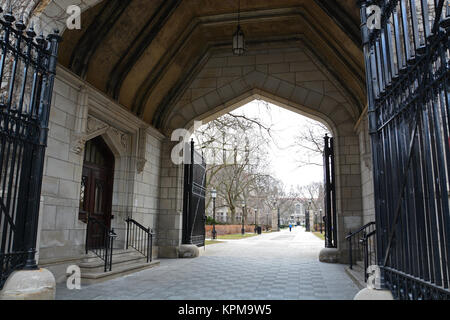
22 9
235 149
312 193
309 144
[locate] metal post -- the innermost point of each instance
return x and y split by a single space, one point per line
256 223
106 242
38 154
151 245
307 224
321 222
366 256
111 249
243 217
128 231
214 234
328 206
87 235
333 193
350 251
278 216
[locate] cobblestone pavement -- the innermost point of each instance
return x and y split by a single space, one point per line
275 266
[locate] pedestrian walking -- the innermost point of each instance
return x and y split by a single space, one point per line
290 227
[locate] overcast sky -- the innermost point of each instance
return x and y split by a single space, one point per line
285 126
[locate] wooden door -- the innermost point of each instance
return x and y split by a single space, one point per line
96 188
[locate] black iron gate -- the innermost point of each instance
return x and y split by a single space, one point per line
407 67
27 70
330 194
194 217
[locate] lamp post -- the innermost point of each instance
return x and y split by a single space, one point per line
256 221
321 221
213 196
243 221
275 204
307 220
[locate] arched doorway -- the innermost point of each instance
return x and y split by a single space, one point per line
97 187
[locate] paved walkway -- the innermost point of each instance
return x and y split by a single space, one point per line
275 266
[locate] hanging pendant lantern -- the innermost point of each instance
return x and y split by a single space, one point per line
239 37
239 42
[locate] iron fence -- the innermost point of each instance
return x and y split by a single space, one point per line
27 71
330 194
407 68
194 193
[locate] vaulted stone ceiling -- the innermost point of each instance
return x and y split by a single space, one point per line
136 51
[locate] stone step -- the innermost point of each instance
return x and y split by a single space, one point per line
95 277
357 275
92 257
98 265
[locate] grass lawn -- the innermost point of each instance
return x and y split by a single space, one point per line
236 236
319 235
208 242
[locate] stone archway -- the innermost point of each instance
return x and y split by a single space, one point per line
288 77
303 69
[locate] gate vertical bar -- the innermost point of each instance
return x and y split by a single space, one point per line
368 57
27 74
38 157
408 111
326 163
333 194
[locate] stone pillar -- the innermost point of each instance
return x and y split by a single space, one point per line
170 204
274 221
29 285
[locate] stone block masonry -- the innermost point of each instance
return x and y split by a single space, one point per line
78 114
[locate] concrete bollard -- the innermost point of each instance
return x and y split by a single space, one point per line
29 285
188 251
373 294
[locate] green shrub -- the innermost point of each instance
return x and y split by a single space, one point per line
210 221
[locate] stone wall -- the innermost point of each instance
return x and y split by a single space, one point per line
228 229
367 186
78 114
171 201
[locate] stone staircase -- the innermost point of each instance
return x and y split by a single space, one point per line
357 274
123 262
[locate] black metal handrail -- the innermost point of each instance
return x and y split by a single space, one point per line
361 245
100 241
139 238
352 234
370 254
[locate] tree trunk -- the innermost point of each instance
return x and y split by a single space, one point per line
233 215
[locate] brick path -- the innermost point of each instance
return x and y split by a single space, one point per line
272 266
